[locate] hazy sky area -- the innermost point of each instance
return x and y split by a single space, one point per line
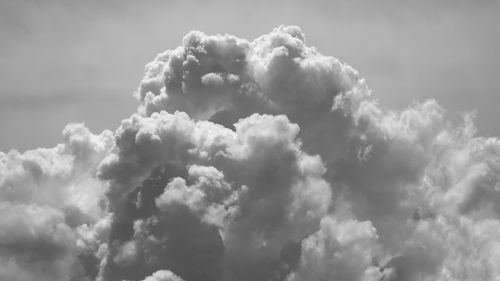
66 61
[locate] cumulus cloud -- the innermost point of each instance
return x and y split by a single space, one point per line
163 275
53 209
255 160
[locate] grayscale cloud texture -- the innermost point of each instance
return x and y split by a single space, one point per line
255 160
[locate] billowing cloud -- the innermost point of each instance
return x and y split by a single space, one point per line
163 275
256 160
260 192
53 213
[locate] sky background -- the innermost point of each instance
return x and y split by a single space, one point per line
66 61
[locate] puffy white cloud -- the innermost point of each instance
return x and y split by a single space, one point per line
343 250
255 185
255 160
261 192
163 275
49 200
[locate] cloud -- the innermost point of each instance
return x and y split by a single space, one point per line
261 192
256 160
50 200
343 250
163 275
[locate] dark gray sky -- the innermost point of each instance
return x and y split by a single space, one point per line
65 61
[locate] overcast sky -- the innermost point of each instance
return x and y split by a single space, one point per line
65 61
